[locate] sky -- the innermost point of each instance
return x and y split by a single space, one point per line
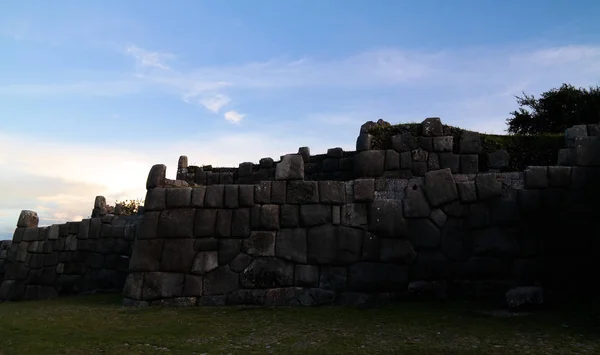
93 93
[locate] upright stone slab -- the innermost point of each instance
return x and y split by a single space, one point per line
156 176
291 167
28 219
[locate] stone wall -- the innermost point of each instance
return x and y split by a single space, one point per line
294 241
411 156
71 258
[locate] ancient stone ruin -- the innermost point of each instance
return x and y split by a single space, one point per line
417 220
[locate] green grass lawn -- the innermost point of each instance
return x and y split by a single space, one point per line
100 325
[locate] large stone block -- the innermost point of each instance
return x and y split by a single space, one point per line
363 142
454 239
214 197
559 176
450 161
267 273
396 251
240 224
494 242
231 197
289 216
392 160
404 142
302 192
240 262
155 200
260 243
354 215
332 192
470 143
291 245
369 163
488 186
467 191
291 167
425 143
262 192
146 255
205 222
364 190
430 265
499 159
536 177
424 234
333 278
415 203
373 277
228 250
269 217
205 262
28 219
156 176
158 285
370 247
179 197
246 195
178 255
278 194
314 215
330 244
469 163
440 187
386 219
192 286
575 132
176 223
432 127
224 222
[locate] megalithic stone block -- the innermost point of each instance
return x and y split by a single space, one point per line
183 162
28 219
156 176
291 167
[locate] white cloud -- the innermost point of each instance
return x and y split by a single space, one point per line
233 116
146 58
215 103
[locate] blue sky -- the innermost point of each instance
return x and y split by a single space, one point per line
92 94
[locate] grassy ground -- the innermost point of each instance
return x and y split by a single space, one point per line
99 325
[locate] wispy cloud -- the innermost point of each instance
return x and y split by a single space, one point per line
233 116
215 103
146 58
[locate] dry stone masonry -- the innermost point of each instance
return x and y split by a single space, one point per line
417 220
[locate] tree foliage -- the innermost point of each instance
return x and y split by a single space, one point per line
130 206
555 111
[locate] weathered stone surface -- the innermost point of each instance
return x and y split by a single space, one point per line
240 224
499 159
291 245
370 247
469 163
177 223
205 262
228 250
180 197
267 273
278 193
304 152
159 285
524 296
430 265
450 161
223 225
433 161
386 219
470 143
30 234
231 196
392 160
306 275
442 144
536 177
206 244
364 190
369 163
220 281
488 186
134 285
247 297
424 234
369 277
28 219
467 191
332 192
432 127
260 244
333 278
178 255
419 155
291 167
302 192
493 242
266 163
205 222
289 216
559 176
363 142
440 187
397 251
214 196
240 262
156 176
574 132
454 236
269 217
246 195
314 215
415 202
354 215
425 143
404 142
145 257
